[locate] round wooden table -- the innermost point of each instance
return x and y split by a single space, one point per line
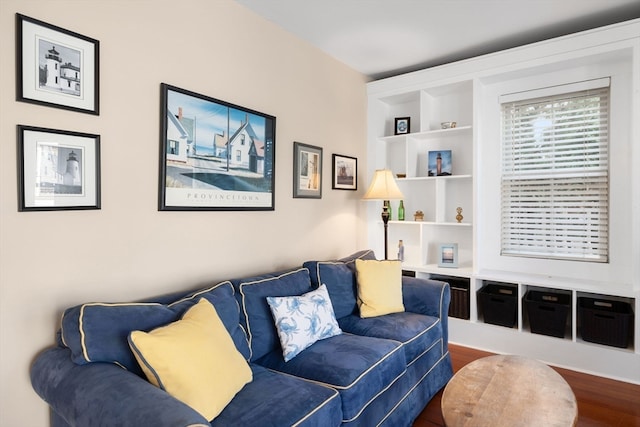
508 391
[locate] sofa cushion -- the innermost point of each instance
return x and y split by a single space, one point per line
222 296
277 399
379 287
416 332
303 320
359 367
339 277
97 332
193 359
255 313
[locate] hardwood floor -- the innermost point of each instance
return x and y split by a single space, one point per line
601 401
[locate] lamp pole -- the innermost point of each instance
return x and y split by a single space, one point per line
385 221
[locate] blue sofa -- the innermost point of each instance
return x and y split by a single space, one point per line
379 371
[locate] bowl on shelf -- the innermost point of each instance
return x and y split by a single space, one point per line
448 125
401 175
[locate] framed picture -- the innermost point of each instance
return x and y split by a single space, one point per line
345 172
307 171
448 255
439 163
402 125
214 155
56 67
57 170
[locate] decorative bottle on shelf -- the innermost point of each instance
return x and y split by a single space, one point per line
387 203
401 211
400 250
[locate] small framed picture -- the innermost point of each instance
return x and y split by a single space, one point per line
402 125
57 170
448 255
56 67
439 163
345 172
307 171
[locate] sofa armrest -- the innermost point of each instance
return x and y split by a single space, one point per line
430 297
103 394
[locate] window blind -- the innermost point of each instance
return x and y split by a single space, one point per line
555 175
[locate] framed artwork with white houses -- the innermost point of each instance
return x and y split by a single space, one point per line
214 155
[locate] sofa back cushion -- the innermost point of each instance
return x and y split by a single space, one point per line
255 316
340 278
97 332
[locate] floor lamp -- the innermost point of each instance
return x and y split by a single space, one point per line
383 187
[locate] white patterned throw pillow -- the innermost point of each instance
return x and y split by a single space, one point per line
303 320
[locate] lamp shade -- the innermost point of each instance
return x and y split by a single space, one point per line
383 187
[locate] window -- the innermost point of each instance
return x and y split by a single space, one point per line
555 172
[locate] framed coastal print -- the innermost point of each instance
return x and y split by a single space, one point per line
402 125
307 171
440 163
57 170
448 255
345 173
214 155
56 67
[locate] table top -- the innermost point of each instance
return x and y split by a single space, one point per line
510 391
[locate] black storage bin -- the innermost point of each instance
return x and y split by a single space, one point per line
547 312
499 303
605 321
459 305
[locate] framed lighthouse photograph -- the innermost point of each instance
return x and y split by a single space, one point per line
56 67
57 170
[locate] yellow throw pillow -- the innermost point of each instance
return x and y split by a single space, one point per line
379 287
193 359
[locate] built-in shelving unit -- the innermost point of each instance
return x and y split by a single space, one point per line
466 93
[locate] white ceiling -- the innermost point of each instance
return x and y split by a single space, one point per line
382 38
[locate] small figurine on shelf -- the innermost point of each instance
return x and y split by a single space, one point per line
418 216
400 250
459 216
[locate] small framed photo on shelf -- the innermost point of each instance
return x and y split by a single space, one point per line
439 163
402 125
57 170
56 67
345 172
448 255
307 171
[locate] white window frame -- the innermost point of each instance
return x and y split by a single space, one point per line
554 204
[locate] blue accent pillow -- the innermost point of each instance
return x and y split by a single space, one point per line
303 320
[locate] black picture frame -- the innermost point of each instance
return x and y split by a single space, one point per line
56 67
402 126
307 171
344 172
214 155
57 169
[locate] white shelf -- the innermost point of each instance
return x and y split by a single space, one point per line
433 178
431 223
429 134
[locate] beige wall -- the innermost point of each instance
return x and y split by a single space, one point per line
129 250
